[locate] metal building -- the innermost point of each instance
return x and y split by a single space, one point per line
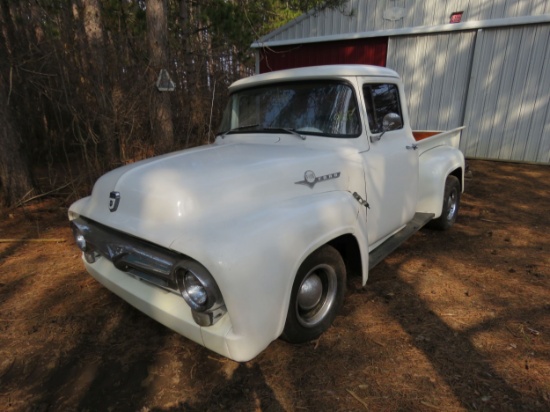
484 64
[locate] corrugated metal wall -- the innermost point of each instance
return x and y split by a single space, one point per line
495 82
508 108
435 70
368 15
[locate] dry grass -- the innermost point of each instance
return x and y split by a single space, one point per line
452 321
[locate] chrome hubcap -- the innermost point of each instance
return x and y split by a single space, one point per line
310 293
316 295
451 202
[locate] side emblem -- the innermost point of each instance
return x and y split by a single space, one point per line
114 200
311 180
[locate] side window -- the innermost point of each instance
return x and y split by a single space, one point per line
380 99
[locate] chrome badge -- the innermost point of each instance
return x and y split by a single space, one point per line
311 180
114 200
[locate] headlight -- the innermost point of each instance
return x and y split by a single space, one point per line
197 286
194 289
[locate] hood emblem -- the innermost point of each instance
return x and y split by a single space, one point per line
114 200
311 180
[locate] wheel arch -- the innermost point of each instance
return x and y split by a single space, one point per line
435 165
348 247
459 174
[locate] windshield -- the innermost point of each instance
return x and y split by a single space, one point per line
326 108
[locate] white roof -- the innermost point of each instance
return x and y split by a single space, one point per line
335 71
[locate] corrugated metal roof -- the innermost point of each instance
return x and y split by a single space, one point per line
362 18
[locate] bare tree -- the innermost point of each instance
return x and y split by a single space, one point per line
15 180
81 77
99 75
157 40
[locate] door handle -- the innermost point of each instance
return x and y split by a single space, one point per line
412 147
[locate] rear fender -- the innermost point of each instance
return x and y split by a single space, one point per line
435 165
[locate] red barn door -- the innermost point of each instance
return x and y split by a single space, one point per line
358 51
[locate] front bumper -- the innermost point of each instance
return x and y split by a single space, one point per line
144 275
161 267
171 310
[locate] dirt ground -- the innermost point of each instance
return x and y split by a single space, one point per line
452 321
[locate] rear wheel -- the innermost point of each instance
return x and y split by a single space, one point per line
451 201
317 295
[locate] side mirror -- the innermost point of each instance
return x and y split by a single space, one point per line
391 121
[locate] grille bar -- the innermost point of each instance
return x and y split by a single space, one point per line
130 254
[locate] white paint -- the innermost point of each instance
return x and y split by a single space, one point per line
235 207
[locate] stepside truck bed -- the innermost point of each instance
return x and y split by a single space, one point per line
428 139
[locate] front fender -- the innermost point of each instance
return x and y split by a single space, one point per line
434 167
254 259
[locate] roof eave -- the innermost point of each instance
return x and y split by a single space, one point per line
443 28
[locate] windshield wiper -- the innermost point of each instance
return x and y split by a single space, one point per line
249 126
236 129
286 129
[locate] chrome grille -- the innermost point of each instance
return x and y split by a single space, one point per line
130 254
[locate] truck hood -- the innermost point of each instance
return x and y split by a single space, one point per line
162 197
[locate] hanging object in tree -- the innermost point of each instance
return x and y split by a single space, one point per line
164 82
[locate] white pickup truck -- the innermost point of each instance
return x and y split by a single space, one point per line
315 175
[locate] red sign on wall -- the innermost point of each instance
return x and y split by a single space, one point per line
456 17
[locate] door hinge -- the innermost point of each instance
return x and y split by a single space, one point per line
361 200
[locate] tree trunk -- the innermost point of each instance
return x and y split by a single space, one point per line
99 74
15 179
157 42
15 176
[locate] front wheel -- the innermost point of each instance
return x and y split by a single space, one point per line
317 295
451 201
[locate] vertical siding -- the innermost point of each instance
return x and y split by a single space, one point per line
368 15
435 70
508 110
539 149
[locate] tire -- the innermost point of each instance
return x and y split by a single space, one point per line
451 203
317 295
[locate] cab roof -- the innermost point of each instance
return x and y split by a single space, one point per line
315 72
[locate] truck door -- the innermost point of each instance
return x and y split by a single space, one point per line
391 163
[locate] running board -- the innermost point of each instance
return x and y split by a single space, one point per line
393 242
